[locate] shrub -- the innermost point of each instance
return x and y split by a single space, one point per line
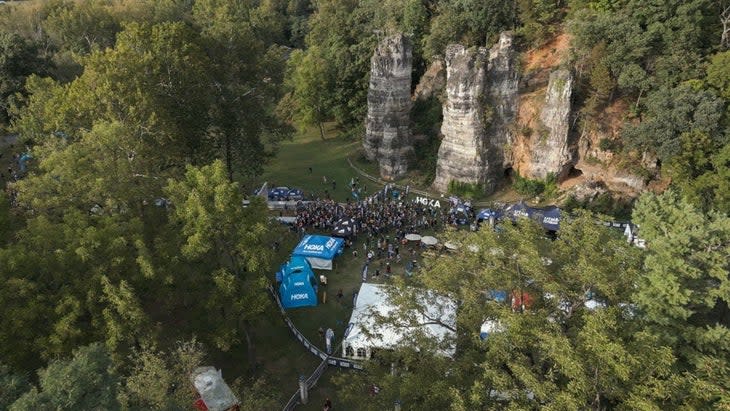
528 187
532 188
465 190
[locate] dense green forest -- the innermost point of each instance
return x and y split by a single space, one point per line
108 301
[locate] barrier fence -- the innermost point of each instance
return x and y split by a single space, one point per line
381 182
327 360
312 348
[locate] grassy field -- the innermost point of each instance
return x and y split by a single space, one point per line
327 158
284 356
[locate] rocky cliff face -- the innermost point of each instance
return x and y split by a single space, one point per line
460 156
498 118
550 152
387 133
501 108
432 82
479 113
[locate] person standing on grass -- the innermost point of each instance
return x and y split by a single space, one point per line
329 336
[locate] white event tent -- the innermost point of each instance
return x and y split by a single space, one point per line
373 298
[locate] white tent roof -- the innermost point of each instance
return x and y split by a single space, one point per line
372 297
429 240
215 393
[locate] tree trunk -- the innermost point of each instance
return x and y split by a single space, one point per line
725 20
229 159
636 107
250 349
321 130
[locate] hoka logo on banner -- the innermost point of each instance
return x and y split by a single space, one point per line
551 220
303 296
521 213
428 202
314 247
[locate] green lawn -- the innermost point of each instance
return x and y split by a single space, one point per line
327 158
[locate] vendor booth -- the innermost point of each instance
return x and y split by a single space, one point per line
319 250
298 284
372 298
548 217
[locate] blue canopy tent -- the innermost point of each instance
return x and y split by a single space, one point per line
278 193
487 214
299 285
461 214
295 194
548 217
514 211
319 250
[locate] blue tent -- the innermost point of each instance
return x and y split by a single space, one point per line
487 213
514 211
299 285
295 194
549 217
279 193
319 250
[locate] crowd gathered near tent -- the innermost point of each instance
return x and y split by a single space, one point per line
373 216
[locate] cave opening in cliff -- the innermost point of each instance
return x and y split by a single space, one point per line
508 173
574 172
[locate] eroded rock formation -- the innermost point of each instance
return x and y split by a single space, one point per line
501 108
387 133
479 113
432 82
550 152
460 156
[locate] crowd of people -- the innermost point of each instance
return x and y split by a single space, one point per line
373 216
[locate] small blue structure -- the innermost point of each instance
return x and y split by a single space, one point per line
488 328
499 296
22 160
299 285
487 213
319 250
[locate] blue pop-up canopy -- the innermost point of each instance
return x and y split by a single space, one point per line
299 288
487 213
548 217
319 250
